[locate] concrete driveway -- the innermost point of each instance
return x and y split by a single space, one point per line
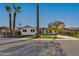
68 37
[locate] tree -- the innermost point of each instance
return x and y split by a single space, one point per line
17 10
56 27
38 35
9 9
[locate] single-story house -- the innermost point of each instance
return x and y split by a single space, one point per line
45 31
27 30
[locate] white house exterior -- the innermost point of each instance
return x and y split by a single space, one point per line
45 31
27 30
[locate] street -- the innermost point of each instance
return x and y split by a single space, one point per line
22 47
31 48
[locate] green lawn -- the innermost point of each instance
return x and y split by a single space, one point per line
27 36
49 37
46 37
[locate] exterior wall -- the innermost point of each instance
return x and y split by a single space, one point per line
45 32
28 32
50 33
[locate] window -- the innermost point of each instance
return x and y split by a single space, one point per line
24 30
32 30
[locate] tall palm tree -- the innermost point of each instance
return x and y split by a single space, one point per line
17 10
9 9
38 35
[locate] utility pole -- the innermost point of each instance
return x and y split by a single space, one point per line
38 35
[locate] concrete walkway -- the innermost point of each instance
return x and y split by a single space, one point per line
68 37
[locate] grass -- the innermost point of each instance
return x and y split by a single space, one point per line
49 37
27 36
45 37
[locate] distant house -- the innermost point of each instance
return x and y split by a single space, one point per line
27 30
45 31
70 31
3 29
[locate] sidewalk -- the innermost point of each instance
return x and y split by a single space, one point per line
10 40
68 37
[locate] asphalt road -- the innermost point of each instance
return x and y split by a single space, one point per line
41 48
71 47
32 48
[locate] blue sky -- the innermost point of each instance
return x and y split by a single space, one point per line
68 13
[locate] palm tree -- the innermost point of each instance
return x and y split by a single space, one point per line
17 10
9 9
38 35
56 27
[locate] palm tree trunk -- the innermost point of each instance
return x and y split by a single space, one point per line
14 24
10 23
38 21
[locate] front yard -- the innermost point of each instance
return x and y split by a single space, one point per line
46 37
49 37
27 36
42 37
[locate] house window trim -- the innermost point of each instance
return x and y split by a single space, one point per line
24 30
32 30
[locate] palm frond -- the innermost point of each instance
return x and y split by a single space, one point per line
18 9
8 8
